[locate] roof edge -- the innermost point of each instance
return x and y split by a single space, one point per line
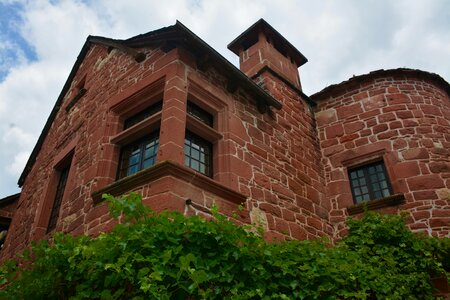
52 116
10 198
250 86
346 85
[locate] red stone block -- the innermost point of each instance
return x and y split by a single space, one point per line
430 110
326 117
439 167
334 131
395 125
369 114
314 222
375 101
386 117
425 182
297 231
416 153
404 114
271 209
297 187
353 127
406 169
273 236
347 138
387 135
365 132
420 215
282 226
304 203
440 222
288 215
397 99
348 111
443 213
328 143
379 128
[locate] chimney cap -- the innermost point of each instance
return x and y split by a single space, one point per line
279 41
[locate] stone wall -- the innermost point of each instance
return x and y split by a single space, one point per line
403 118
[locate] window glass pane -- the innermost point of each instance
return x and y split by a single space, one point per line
195 154
378 195
353 175
134 158
148 163
375 186
195 165
373 178
386 193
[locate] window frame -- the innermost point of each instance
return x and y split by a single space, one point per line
200 125
63 177
142 143
208 162
138 128
369 182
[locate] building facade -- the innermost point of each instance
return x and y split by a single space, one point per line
165 115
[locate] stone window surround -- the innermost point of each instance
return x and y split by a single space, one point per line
370 192
394 199
65 158
138 97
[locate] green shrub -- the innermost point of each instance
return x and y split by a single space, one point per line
170 256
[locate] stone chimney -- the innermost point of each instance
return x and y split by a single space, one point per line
261 48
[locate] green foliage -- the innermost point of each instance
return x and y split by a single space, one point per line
170 256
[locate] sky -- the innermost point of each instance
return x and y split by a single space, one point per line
40 40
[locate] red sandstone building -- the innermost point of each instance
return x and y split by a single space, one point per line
167 116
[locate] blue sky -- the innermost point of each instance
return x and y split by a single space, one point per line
40 40
14 45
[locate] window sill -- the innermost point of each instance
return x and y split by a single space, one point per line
137 131
168 168
376 204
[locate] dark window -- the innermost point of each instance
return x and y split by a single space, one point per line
200 114
142 115
54 214
369 182
139 155
198 154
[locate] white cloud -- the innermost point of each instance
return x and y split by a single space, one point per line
340 38
18 163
